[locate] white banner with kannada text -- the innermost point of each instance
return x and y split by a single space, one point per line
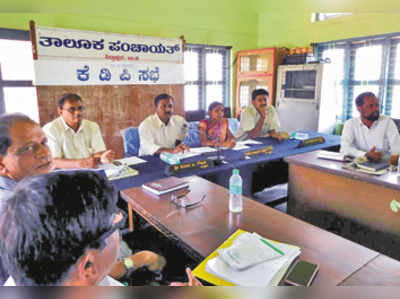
71 44
67 72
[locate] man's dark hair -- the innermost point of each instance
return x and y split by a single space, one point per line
213 105
361 96
162 96
6 122
257 92
72 97
51 221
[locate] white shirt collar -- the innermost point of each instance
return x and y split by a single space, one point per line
66 127
374 124
160 122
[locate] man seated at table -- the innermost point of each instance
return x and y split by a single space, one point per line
371 135
75 142
163 131
60 228
259 119
52 237
23 152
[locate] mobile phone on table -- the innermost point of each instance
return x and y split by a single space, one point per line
302 274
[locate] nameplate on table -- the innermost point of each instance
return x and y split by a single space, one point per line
264 150
190 166
311 141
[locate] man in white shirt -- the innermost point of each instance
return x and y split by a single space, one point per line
259 119
371 135
162 131
75 142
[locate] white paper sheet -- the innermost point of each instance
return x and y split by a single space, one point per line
249 141
262 274
131 160
203 149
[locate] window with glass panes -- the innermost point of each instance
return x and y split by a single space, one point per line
207 76
363 64
17 93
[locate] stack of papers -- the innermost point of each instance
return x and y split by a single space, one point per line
130 161
194 151
120 169
248 250
248 260
331 156
237 147
249 141
202 150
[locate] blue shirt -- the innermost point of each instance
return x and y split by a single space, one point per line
6 188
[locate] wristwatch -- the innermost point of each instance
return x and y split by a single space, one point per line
128 263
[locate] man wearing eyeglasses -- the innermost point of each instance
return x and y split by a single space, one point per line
75 142
52 237
75 244
23 152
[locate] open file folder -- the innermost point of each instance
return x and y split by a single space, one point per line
271 274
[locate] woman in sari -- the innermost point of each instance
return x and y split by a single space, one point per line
215 130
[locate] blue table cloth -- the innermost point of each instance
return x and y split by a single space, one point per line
154 168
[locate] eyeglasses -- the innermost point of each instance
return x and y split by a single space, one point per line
115 226
182 201
31 149
73 109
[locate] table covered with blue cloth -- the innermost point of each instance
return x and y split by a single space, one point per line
154 168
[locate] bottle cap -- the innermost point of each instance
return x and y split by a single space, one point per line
235 171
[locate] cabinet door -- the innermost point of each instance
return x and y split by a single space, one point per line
256 62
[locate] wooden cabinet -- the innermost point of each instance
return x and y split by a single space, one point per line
256 69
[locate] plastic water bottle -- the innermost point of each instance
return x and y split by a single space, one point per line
235 192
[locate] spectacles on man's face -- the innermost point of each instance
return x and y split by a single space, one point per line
73 109
118 223
31 148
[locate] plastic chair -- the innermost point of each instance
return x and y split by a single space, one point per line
131 141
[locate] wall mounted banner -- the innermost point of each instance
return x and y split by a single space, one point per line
64 43
74 57
58 72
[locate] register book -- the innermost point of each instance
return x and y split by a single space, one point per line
247 259
165 185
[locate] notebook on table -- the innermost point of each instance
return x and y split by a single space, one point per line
165 185
373 165
267 272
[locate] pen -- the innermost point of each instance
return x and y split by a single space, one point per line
272 246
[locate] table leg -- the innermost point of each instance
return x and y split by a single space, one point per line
130 217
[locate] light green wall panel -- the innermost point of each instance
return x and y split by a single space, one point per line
291 30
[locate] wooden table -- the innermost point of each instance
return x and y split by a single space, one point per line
353 204
204 228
